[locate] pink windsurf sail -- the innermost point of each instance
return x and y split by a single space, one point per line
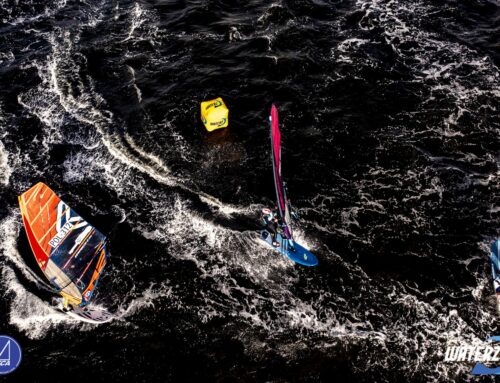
278 182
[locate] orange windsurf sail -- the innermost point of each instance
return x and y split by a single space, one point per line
71 253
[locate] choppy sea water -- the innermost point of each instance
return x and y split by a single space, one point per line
390 126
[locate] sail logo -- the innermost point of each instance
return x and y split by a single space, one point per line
10 354
70 223
61 234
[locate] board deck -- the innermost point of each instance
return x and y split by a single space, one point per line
299 254
90 314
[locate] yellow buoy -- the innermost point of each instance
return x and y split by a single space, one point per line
214 114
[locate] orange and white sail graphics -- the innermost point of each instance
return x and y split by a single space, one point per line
70 252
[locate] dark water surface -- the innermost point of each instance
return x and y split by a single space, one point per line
390 125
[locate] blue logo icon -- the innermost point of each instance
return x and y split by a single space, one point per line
481 368
10 354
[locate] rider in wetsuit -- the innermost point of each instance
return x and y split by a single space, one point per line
270 221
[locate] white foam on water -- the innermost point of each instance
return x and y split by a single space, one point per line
136 21
5 168
57 99
146 299
148 156
399 24
30 314
344 50
6 57
230 251
64 94
226 208
134 84
50 10
9 232
27 312
141 18
180 144
116 11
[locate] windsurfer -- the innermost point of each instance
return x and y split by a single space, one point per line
68 302
270 223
